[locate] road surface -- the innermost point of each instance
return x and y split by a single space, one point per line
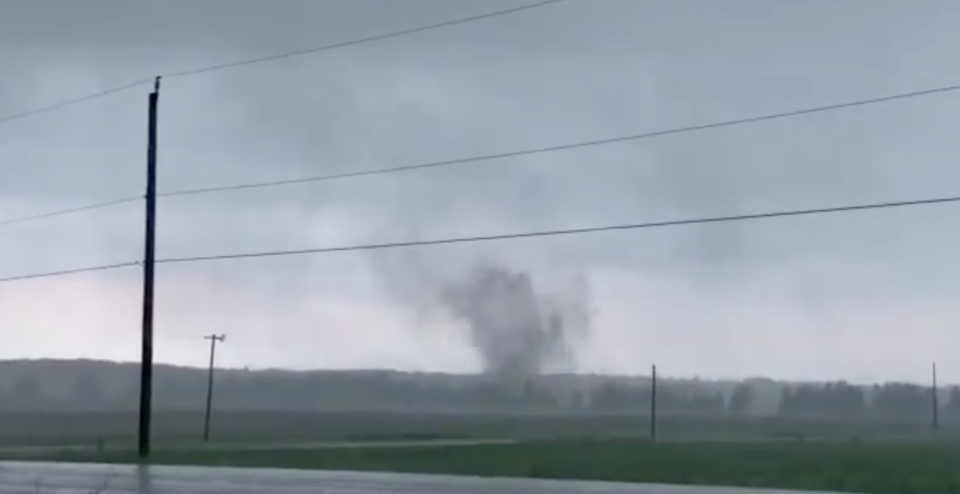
36 452
54 478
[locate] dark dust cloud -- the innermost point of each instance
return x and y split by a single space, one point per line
520 324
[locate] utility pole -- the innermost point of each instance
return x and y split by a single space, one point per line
213 350
935 424
653 403
149 257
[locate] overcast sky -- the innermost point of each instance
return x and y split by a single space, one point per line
862 296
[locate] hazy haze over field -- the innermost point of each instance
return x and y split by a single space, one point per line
866 295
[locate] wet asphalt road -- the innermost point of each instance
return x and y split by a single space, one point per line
36 452
53 478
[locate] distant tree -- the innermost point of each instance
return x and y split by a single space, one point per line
580 400
26 392
801 400
611 396
623 397
88 391
707 402
828 400
787 403
536 394
842 399
900 400
952 407
741 399
671 400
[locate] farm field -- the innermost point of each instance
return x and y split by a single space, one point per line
852 466
118 429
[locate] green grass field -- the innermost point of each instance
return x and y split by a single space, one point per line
858 455
869 467
119 428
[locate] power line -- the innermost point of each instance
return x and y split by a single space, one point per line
62 212
575 231
308 51
380 37
51 274
508 236
71 102
231 65
564 147
509 154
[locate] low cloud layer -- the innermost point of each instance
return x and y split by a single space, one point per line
866 295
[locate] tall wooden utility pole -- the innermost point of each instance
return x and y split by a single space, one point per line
653 403
935 419
149 257
213 350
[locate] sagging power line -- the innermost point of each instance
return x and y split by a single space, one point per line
270 58
223 66
512 236
496 156
70 102
64 212
65 272
572 231
395 34
569 146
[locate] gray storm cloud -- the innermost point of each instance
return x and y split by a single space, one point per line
574 72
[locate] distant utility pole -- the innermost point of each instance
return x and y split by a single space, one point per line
935 422
149 248
653 403
213 350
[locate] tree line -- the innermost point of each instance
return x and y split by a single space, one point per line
93 385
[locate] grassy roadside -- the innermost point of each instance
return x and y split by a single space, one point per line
901 468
